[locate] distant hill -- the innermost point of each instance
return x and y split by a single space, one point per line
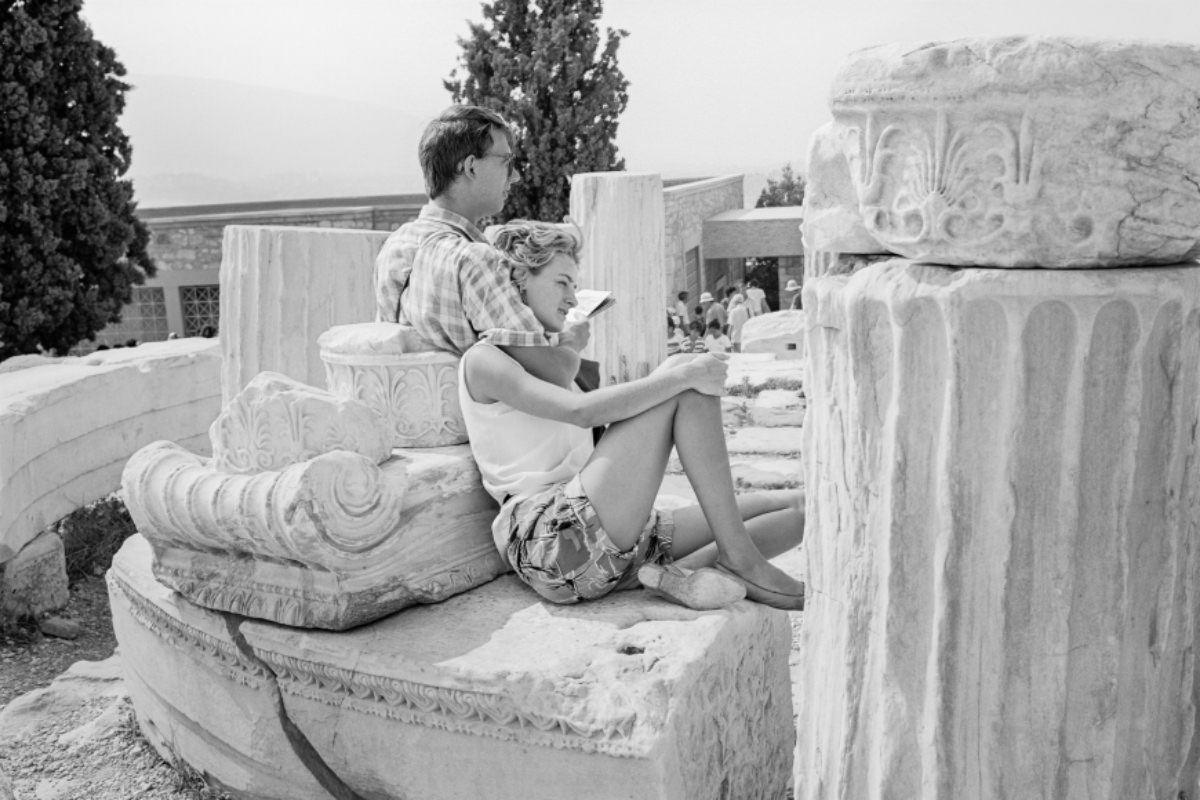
199 141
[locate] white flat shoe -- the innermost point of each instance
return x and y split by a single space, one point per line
701 589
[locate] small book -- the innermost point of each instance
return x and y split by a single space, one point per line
592 301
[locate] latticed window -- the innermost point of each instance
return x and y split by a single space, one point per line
143 320
201 308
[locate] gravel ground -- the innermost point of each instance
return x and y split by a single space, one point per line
73 736
30 660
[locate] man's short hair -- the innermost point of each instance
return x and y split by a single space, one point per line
458 132
683 295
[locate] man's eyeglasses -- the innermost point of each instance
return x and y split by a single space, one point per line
507 158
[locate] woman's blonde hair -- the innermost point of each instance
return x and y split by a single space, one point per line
533 245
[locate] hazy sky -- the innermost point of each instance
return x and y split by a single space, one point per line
715 85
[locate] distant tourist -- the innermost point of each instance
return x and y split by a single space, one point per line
681 309
694 341
756 300
578 520
715 340
712 310
739 313
208 332
674 337
794 288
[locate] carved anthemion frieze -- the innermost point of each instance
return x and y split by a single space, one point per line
390 369
1025 152
276 421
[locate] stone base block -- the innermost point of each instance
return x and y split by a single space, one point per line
35 580
491 694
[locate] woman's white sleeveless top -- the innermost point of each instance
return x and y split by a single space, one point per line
518 454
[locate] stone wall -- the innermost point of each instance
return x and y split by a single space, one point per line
194 242
685 208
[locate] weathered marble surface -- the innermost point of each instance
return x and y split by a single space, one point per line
332 542
281 287
621 216
35 579
276 421
410 384
1001 539
67 427
490 694
1022 151
832 221
780 333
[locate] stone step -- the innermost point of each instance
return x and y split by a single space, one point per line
492 693
771 408
751 373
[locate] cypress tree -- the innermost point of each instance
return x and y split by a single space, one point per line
71 248
545 67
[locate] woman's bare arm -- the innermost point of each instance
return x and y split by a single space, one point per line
492 376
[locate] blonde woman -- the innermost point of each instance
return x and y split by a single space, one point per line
578 521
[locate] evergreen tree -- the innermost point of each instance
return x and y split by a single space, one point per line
70 246
788 190
544 66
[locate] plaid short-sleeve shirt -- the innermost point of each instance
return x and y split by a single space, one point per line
441 276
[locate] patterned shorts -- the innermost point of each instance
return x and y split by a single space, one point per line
558 548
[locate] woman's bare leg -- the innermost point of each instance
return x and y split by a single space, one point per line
774 519
624 475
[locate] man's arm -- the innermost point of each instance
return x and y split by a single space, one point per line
493 305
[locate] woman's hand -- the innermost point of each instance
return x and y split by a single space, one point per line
704 372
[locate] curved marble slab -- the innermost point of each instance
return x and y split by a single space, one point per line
491 694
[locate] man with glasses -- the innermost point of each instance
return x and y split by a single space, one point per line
441 276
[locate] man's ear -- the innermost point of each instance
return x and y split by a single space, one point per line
466 167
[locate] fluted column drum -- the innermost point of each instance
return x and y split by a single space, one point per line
1002 540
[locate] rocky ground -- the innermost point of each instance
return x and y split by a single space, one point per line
67 730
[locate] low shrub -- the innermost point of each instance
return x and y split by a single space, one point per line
92 535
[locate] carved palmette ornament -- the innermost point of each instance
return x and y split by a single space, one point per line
276 421
1025 152
331 513
413 387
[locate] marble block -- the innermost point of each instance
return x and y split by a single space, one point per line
35 580
412 385
621 215
332 542
491 694
780 333
276 421
281 286
1024 151
1003 499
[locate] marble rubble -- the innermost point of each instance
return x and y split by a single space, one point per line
1000 463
